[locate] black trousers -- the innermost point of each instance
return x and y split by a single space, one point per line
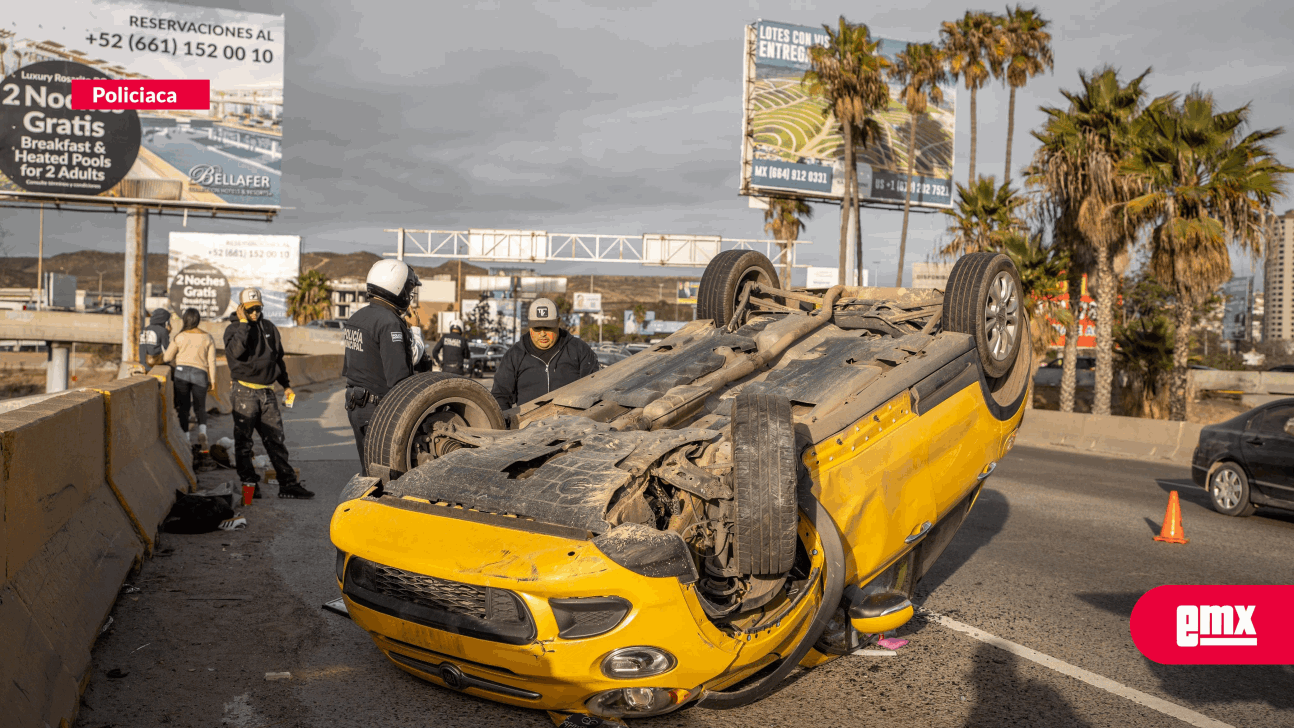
359 419
257 411
188 394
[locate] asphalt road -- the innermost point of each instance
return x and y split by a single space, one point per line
1052 558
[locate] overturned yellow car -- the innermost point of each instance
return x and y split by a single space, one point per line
761 490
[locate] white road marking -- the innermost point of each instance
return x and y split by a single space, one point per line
874 653
1163 706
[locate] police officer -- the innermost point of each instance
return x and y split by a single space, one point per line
451 353
546 359
379 345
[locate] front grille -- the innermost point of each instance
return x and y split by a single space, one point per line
466 609
450 596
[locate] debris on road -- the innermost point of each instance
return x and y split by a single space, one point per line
891 643
871 652
233 524
269 676
194 514
116 673
107 624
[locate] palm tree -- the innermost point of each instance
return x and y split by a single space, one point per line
1042 279
984 215
310 298
784 220
1207 185
1026 50
1076 168
921 69
971 46
848 73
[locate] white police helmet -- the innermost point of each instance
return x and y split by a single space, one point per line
456 326
393 281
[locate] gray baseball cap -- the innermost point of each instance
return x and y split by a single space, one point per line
543 312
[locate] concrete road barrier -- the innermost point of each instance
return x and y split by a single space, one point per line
1133 437
85 481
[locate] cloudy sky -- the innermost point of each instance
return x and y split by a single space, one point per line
624 118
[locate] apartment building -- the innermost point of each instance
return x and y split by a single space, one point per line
1278 282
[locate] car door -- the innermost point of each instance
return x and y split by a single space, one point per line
1268 449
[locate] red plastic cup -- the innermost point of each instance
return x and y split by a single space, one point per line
248 492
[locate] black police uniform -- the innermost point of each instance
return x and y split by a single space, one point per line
452 353
377 359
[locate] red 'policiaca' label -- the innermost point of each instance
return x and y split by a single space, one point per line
1216 625
157 95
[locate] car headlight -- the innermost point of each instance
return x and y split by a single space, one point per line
628 663
588 616
636 702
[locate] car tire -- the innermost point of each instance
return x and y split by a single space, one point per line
984 299
721 283
1229 490
764 475
406 414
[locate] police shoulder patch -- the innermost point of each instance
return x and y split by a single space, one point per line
397 336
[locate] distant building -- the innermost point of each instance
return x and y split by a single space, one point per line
348 296
1278 284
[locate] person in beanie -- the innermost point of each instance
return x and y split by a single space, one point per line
254 353
547 358
381 349
155 337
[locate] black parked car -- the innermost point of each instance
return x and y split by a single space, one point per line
1248 461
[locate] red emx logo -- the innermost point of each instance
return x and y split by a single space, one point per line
1215 624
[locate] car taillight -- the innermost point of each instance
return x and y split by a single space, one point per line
588 616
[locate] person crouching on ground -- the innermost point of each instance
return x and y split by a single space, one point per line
254 352
193 352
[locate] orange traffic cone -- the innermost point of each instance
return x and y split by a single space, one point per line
1172 531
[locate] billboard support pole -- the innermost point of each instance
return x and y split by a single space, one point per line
399 245
40 263
132 299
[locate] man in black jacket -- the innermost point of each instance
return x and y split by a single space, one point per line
546 359
378 354
254 353
451 353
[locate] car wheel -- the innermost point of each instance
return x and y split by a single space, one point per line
764 474
398 437
984 299
722 282
1229 490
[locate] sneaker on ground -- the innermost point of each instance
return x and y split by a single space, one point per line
295 490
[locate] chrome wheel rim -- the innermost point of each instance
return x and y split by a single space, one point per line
1226 488
1002 316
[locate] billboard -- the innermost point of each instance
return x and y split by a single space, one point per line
587 303
226 155
791 147
207 271
1236 312
687 291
